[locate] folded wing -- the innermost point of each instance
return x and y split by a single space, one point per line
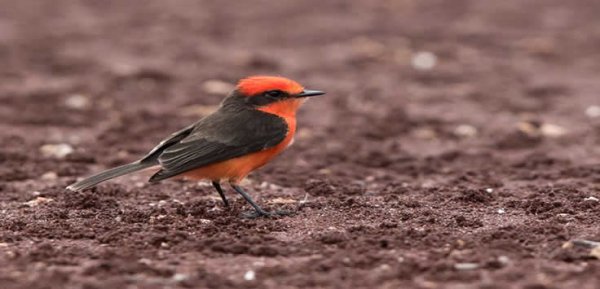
220 137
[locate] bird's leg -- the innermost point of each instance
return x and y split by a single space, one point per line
258 211
217 186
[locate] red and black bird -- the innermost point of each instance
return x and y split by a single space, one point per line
253 124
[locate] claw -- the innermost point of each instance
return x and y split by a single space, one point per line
259 214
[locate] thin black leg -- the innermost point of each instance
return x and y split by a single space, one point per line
259 211
217 186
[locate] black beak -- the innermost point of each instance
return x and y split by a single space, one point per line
307 93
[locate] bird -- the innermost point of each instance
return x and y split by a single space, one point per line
252 125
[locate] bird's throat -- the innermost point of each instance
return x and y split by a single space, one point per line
285 109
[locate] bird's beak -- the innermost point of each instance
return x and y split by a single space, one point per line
307 93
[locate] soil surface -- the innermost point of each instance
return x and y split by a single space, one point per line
458 145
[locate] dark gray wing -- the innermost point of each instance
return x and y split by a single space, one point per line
219 137
174 138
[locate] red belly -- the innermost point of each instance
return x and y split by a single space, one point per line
238 168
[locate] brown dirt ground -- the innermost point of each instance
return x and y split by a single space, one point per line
472 174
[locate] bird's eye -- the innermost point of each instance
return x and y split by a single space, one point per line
274 93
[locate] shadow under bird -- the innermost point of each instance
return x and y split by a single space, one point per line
253 124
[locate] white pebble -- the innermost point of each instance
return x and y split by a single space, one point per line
37 201
552 130
465 130
56 150
489 190
179 277
593 111
249 275
503 259
466 266
501 211
204 184
49 176
423 60
593 199
77 101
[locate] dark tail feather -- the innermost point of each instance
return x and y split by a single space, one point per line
109 174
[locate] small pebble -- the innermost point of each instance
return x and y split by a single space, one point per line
595 252
37 201
501 211
552 130
593 199
489 190
424 60
466 266
249 275
503 259
49 176
465 130
77 101
179 277
529 128
593 111
56 150
204 184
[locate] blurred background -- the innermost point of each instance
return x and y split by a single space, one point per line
427 95
432 71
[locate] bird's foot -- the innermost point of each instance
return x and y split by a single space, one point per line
262 213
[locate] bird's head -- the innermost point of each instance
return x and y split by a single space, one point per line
272 94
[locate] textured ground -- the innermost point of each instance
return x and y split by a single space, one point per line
470 172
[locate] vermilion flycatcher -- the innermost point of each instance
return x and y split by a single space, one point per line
253 124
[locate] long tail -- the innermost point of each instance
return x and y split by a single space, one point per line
109 174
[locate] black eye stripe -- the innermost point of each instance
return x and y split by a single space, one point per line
275 93
266 97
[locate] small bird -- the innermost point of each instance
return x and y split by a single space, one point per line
252 125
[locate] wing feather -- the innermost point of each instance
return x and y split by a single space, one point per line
220 137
